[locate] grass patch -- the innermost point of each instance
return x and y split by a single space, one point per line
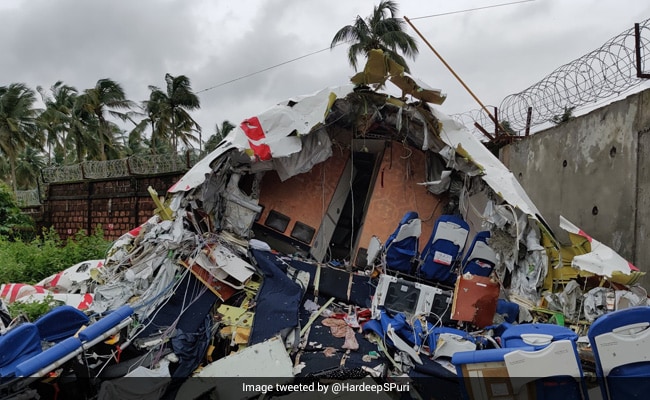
31 311
30 262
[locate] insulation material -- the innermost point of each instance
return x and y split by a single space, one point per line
212 188
240 211
495 174
529 275
595 302
438 177
112 295
316 148
158 291
570 300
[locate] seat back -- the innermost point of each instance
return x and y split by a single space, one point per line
444 248
402 246
552 372
555 371
17 345
50 359
536 335
620 341
480 258
483 374
60 323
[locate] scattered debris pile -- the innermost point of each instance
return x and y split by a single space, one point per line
266 259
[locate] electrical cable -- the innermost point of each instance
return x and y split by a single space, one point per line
471 9
341 43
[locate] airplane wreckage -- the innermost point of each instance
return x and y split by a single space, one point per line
343 235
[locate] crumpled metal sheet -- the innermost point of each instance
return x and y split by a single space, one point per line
597 257
495 174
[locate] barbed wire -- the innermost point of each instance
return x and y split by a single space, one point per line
105 169
157 164
606 72
26 198
136 165
65 173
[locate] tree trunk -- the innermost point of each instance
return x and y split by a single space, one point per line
12 162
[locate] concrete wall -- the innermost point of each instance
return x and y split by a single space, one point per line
595 171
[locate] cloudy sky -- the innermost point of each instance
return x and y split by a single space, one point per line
238 53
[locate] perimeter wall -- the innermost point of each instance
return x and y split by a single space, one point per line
595 171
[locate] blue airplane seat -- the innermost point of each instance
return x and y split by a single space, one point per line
402 246
444 249
480 258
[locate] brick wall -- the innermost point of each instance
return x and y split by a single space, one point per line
118 205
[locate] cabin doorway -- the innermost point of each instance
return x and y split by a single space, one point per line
337 238
350 221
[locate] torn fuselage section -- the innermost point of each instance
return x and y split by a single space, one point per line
361 234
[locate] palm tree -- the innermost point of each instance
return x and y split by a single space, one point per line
381 30
116 145
159 129
220 132
106 98
28 168
18 128
82 136
56 120
168 111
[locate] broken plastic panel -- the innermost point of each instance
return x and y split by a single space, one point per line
598 258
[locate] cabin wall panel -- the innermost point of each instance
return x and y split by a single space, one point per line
396 192
304 197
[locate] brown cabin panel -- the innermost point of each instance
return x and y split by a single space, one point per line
304 197
396 192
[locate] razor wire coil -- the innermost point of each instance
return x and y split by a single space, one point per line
135 165
608 71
